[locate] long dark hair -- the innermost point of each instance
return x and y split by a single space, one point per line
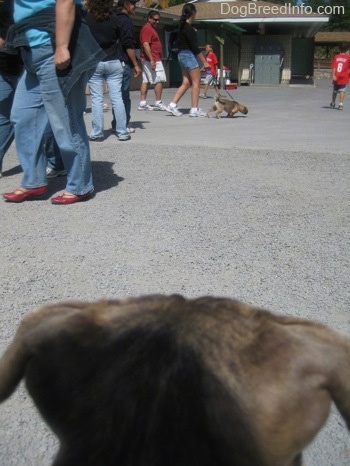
100 9
187 11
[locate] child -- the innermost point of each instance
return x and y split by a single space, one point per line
340 76
212 73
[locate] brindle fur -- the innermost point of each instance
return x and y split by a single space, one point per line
231 107
169 381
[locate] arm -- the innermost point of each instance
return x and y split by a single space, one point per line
148 53
132 56
65 16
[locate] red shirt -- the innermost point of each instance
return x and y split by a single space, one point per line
341 64
213 61
150 35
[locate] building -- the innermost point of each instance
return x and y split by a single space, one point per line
260 42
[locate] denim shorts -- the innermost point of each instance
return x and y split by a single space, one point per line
188 60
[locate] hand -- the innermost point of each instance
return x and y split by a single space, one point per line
206 64
137 71
62 58
153 64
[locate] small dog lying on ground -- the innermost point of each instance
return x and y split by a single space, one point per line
169 381
231 107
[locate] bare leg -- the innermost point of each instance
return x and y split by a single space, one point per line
143 91
158 89
186 84
195 77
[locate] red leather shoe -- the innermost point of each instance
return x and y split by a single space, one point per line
24 194
71 198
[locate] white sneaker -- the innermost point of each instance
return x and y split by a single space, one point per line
145 107
52 173
131 130
340 107
203 96
174 111
160 106
198 113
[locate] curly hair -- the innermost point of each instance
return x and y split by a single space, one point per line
100 9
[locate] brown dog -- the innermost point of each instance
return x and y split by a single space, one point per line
168 381
231 107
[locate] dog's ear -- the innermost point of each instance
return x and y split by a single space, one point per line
38 326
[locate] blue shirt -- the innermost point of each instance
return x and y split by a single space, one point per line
25 8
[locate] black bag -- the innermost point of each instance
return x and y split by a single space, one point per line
173 49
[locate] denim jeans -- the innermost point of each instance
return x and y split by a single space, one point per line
39 100
125 94
52 151
112 72
8 83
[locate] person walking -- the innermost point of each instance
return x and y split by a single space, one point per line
127 55
340 74
103 22
211 78
52 89
189 57
151 61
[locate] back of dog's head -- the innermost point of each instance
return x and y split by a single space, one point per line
151 381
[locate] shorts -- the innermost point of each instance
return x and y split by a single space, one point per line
187 60
339 87
153 76
211 80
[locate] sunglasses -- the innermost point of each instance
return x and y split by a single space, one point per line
156 19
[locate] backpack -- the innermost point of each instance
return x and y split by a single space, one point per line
173 49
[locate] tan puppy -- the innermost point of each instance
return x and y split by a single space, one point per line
158 380
231 107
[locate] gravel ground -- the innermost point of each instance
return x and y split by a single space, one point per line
255 208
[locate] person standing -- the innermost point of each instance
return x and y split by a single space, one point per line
52 89
126 54
211 78
340 74
189 57
103 23
151 61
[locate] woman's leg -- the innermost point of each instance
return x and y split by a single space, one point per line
96 91
185 85
195 77
29 120
114 79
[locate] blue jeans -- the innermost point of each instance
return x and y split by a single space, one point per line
52 151
112 72
39 100
8 83
125 93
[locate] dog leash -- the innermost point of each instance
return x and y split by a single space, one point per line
227 92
